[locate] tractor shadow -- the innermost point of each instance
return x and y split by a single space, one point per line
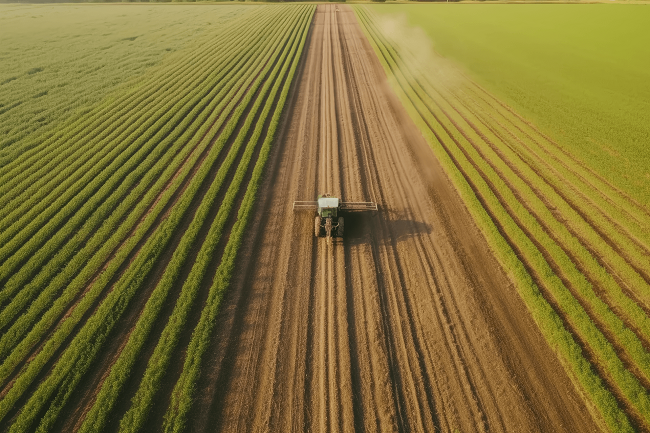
385 226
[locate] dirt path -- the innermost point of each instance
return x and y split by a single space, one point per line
406 324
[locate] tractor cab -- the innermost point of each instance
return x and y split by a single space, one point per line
328 206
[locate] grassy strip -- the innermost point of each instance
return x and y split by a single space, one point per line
546 318
121 371
84 348
183 394
235 84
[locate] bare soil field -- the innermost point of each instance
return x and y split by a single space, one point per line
406 324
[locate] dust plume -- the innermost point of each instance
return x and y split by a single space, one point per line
416 50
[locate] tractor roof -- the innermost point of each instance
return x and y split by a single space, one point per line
325 202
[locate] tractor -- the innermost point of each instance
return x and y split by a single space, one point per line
329 222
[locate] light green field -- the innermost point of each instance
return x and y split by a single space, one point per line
579 72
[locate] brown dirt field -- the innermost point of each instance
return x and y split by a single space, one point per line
408 323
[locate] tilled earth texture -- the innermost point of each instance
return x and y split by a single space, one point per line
406 324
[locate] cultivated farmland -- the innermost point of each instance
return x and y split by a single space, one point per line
56 61
153 276
408 323
576 245
112 220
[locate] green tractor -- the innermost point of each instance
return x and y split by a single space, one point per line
329 222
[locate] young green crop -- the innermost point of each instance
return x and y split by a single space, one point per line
166 346
79 56
120 372
173 119
183 393
100 268
66 178
482 147
221 100
125 205
63 394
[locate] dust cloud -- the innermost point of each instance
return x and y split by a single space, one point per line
418 56
417 51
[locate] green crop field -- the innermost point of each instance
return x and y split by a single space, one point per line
133 144
544 134
579 72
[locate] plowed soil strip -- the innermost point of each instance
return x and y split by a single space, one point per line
407 323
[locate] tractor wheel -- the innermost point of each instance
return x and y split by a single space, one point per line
317 226
339 231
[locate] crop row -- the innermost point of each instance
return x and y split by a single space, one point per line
563 248
110 117
77 357
610 231
44 233
107 122
536 230
163 119
121 370
75 75
236 85
85 299
184 391
115 218
26 121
